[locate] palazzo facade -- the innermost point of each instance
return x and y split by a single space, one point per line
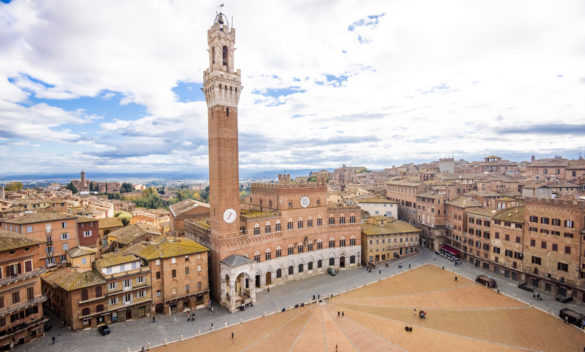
282 231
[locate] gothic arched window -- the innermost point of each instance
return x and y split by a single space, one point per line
213 55
225 55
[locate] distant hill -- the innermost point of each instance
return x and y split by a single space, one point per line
200 175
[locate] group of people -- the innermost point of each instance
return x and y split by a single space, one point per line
190 316
421 314
340 314
408 328
537 297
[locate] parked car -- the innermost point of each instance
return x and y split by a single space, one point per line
458 263
572 317
104 330
486 281
563 299
331 271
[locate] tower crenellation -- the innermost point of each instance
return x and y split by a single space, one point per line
222 84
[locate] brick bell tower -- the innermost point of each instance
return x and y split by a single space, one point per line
222 87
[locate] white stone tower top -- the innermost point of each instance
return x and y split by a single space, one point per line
221 84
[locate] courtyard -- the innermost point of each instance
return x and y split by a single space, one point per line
461 315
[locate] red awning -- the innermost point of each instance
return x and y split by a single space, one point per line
450 249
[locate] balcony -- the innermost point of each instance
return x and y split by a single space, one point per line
22 276
22 305
15 329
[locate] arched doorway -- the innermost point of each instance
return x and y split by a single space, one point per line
257 280
342 261
268 278
242 289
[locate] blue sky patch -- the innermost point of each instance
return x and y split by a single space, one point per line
336 81
188 91
106 104
371 20
279 92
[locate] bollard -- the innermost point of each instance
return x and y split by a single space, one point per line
199 332
264 315
181 337
225 324
240 320
128 349
149 347
165 341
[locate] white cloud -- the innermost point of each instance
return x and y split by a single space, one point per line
424 80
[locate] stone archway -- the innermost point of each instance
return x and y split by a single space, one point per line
342 261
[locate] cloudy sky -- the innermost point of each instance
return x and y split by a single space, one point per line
114 86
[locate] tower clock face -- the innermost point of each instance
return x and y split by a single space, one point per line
305 201
229 215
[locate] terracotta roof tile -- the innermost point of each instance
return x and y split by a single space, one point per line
70 279
12 240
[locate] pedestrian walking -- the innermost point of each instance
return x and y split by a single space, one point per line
143 349
153 319
53 338
380 271
211 326
455 278
268 289
409 266
232 336
342 314
338 313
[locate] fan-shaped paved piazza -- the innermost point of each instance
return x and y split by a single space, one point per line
461 316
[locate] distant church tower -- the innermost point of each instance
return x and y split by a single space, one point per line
222 87
82 182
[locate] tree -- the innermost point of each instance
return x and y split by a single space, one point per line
184 194
124 217
72 187
149 191
13 186
205 195
126 187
